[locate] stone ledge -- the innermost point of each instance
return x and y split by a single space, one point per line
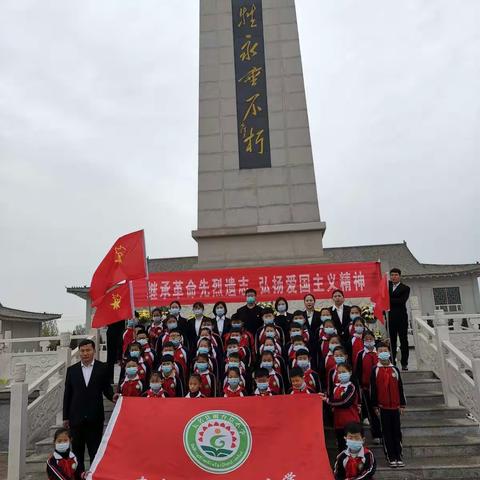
255 229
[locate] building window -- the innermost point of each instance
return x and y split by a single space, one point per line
447 299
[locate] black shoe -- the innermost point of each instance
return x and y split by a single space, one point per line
405 368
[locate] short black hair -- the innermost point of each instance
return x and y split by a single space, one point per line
396 270
261 372
383 345
197 376
202 356
295 372
267 310
340 348
168 344
302 351
234 369
309 295
175 301
156 310
85 342
337 290
61 431
167 358
354 427
250 290
198 304
232 341
223 304
281 299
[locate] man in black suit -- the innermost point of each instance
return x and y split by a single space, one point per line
86 383
340 313
398 317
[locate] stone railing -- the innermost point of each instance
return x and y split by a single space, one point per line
30 422
452 351
36 353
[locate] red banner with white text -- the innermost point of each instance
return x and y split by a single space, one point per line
356 280
254 438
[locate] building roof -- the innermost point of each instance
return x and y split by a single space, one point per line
391 254
23 315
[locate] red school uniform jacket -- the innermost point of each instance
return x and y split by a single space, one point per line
131 387
172 386
229 393
362 466
357 346
208 388
312 380
153 333
152 394
147 355
344 401
297 391
386 388
62 467
180 357
366 360
275 382
323 340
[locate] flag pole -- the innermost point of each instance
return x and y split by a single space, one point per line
132 298
147 278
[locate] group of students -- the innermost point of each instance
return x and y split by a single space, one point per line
339 353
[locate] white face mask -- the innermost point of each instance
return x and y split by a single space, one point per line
62 447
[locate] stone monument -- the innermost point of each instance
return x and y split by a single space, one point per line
257 197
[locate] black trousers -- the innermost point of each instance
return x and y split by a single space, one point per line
392 434
368 412
87 434
398 327
114 346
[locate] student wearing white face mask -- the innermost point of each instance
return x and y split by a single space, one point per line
175 310
63 464
223 322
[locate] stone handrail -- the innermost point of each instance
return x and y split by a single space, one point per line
30 422
457 368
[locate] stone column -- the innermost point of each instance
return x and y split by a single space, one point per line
17 444
260 216
416 313
442 334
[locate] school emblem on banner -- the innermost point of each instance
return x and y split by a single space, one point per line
217 441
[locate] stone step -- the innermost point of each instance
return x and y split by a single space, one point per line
413 427
417 375
425 446
436 411
429 387
431 468
421 399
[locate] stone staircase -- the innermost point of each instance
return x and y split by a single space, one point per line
439 442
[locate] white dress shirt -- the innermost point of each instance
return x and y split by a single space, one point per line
394 286
198 322
220 324
87 372
339 311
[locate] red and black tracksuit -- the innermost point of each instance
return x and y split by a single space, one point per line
344 402
366 361
386 390
63 466
360 466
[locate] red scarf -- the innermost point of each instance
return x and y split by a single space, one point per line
388 393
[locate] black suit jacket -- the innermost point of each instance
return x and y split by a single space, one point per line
316 322
398 301
82 403
191 332
341 324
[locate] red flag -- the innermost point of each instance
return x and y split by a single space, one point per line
114 306
257 438
382 298
124 261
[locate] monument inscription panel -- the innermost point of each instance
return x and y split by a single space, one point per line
251 84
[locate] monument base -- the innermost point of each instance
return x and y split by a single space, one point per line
260 245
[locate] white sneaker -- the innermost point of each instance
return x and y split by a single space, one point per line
400 463
377 441
366 421
392 464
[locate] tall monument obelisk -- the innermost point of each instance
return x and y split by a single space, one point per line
257 198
